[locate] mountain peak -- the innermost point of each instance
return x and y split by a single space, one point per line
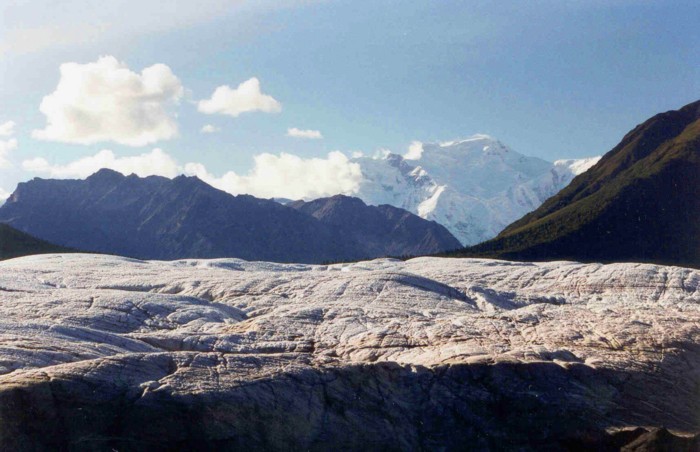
189 180
476 146
345 199
106 174
345 205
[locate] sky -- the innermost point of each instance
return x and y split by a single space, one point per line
274 98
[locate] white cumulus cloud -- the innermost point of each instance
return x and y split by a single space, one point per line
7 129
288 176
246 97
106 101
6 146
3 196
415 151
156 162
284 175
210 129
299 133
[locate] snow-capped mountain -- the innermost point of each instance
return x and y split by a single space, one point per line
474 187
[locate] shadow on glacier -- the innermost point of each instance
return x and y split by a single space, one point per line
381 406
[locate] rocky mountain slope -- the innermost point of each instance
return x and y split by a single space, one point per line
101 353
383 230
14 243
473 187
640 202
160 218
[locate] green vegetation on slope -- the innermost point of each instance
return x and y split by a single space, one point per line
641 202
14 243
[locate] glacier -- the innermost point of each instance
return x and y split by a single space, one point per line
102 352
474 187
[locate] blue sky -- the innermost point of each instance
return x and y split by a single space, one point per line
553 79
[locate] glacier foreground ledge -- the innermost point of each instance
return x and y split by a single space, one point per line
101 352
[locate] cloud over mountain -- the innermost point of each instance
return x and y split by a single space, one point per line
106 101
299 133
5 147
284 175
208 128
415 151
247 97
7 129
289 176
155 162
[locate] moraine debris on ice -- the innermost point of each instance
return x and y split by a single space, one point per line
100 352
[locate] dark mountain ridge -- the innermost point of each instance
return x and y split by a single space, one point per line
382 229
159 218
640 202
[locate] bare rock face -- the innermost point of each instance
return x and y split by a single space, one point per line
101 353
382 230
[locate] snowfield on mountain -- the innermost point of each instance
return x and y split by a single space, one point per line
474 187
99 351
